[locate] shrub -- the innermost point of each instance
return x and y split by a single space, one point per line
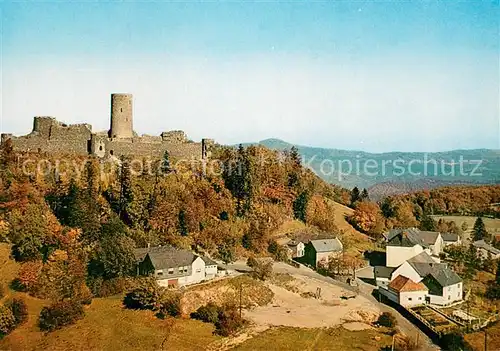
7 321
208 313
60 314
387 319
453 341
228 321
19 310
146 296
112 287
262 268
170 304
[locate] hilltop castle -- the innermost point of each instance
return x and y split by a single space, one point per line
52 136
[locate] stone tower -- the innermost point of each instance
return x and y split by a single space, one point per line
121 116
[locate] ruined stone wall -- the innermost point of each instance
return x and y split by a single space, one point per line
174 137
51 136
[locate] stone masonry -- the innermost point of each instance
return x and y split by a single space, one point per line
52 136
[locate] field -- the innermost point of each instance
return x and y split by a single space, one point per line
476 340
492 224
316 339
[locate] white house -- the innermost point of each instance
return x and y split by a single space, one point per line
405 292
485 250
451 239
296 248
444 285
382 275
403 244
174 267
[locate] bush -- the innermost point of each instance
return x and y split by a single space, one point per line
229 321
262 268
7 321
170 304
387 319
208 313
60 314
452 342
112 287
19 310
146 296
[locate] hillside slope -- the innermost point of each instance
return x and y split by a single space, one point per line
422 176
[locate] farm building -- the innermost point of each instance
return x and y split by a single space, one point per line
321 250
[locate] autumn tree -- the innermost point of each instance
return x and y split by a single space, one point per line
368 218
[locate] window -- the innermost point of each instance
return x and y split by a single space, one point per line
111 152
159 273
121 109
420 297
198 270
459 285
449 297
170 271
100 148
409 299
449 288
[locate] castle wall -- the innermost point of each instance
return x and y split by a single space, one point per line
51 136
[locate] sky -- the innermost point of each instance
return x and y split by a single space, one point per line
375 76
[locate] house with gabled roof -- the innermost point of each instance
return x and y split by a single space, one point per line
406 292
485 250
403 244
445 286
174 267
451 239
321 250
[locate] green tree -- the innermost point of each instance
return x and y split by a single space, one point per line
237 174
165 163
355 196
126 193
479 231
183 228
300 206
364 195
427 223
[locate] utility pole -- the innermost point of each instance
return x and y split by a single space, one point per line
241 294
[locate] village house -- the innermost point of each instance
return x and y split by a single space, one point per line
403 244
321 250
485 250
443 285
174 267
296 248
406 292
451 239
382 275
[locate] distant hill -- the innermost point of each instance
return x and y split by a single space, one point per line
397 172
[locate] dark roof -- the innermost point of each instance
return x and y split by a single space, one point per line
449 237
429 238
481 244
424 265
383 272
167 256
327 245
140 254
293 243
445 277
404 237
208 261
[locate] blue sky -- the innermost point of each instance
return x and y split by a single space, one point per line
375 76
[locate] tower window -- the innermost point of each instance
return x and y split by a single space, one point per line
111 152
100 148
121 109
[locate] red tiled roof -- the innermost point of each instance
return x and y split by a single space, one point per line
404 284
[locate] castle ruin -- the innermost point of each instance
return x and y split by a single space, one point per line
51 136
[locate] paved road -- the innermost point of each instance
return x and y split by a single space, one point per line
363 289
